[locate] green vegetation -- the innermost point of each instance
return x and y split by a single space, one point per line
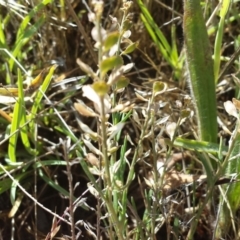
117 122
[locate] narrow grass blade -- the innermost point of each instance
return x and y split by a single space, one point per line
25 22
200 146
25 134
231 191
6 184
18 178
2 36
23 40
169 53
219 37
23 121
39 96
51 183
17 115
154 31
24 34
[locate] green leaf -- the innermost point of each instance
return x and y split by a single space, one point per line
127 25
130 48
122 82
111 40
110 63
158 86
101 88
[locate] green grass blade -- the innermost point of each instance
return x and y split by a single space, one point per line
3 42
169 54
51 183
200 146
17 115
30 15
231 191
200 69
39 97
5 185
219 37
24 33
61 190
24 133
18 178
17 52
154 36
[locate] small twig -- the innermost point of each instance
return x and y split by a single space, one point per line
66 146
169 8
229 63
84 34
